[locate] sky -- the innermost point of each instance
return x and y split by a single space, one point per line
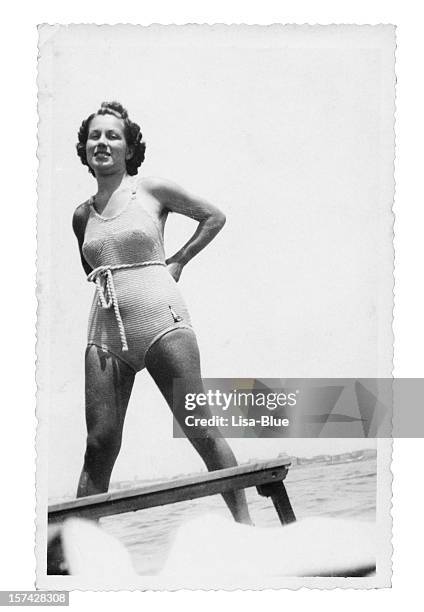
291 136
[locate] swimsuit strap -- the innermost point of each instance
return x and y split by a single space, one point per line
92 202
106 291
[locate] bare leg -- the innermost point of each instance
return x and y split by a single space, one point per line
108 385
176 355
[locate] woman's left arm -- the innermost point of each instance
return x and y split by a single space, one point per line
211 220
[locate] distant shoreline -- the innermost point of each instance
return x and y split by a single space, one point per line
296 463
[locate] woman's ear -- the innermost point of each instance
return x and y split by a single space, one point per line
129 153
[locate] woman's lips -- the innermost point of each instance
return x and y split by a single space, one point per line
101 154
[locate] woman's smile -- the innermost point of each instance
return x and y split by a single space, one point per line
102 154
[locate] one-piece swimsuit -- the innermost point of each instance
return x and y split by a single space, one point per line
137 301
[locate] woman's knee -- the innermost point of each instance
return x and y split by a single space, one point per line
103 442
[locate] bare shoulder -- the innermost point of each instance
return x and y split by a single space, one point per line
163 194
159 187
174 198
80 218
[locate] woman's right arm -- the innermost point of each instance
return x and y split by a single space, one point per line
79 222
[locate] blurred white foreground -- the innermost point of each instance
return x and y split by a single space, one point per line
214 546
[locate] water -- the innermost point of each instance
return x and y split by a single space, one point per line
346 490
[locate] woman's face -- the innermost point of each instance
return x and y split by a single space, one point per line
106 147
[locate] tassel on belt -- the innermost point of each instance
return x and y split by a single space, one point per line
106 290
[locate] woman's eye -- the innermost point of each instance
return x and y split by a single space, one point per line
109 135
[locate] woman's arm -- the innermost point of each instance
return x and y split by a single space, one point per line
211 219
79 221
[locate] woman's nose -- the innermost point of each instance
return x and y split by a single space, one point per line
102 139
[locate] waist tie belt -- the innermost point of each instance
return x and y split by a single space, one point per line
106 290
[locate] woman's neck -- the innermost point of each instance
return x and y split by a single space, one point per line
108 184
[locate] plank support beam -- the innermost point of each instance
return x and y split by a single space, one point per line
277 492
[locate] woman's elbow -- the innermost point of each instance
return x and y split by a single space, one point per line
219 219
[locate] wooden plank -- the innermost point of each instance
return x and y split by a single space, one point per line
169 492
277 492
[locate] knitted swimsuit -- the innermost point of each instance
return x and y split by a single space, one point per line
137 300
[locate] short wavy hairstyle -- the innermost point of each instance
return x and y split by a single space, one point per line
132 132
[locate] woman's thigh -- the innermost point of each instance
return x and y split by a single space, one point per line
176 356
108 385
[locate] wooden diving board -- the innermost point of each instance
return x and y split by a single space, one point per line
266 476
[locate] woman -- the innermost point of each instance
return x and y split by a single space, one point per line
138 318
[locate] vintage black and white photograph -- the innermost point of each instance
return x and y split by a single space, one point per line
214 223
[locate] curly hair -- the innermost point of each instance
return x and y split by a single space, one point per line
132 132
